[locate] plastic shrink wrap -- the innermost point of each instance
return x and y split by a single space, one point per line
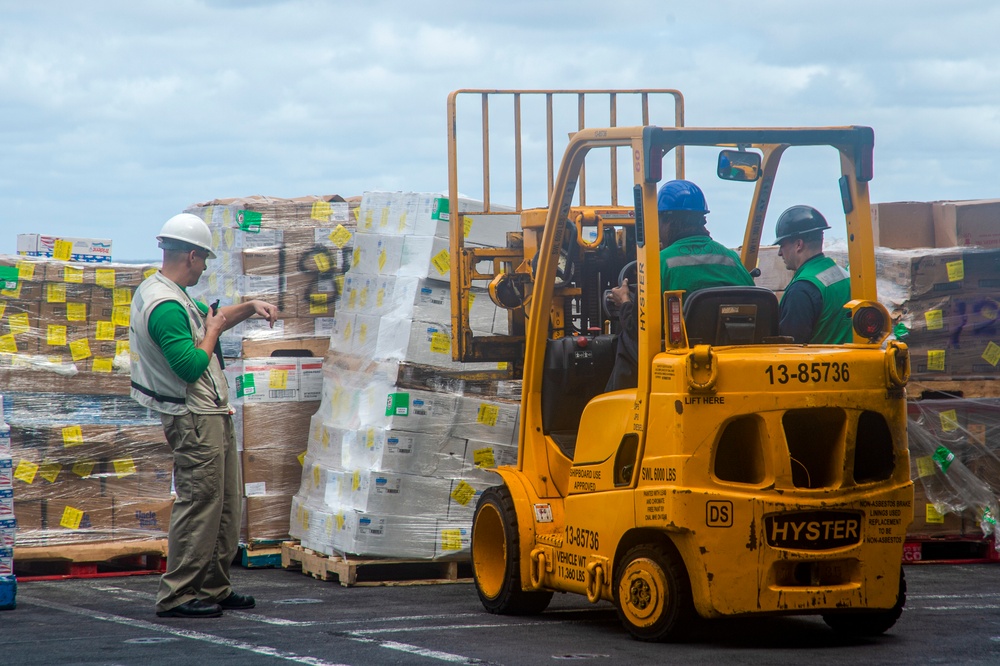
399 448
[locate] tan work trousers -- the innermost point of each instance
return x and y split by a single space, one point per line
205 520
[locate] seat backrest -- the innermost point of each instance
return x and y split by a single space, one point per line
731 315
575 371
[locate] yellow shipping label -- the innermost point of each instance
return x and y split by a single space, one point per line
463 493
956 270
381 260
102 364
63 250
442 262
73 275
356 256
72 436
230 235
356 481
71 518
932 516
80 349
25 270
317 476
76 311
322 262
123 467
466 225
104 330
488 414
318 304
122 296
26 471
451 539
384 220
321 210
340 236
949 420
278 380
935 359
925 466
120 315
484 457
55 292
121 347
992 354
363 332
105 277
84 468
7 344
934 319
49 470
11 293
19 323
370 439
440 343
3 308
302 458
55 335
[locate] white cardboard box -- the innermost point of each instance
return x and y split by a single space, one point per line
486 421
87 250
401 451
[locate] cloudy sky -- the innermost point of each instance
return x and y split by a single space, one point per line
116 115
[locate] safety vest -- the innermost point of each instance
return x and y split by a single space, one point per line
698 262
834 284
154 384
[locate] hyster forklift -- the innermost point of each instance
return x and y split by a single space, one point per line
745 474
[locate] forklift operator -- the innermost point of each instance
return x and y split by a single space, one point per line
689 260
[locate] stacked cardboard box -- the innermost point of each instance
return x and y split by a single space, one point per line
398 448
290 252
955 461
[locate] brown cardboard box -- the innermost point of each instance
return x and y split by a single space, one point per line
289 346
264 261
903 224
88 441
278 424
271 471
927 522
45 475
973 223
112 275
78 514
142 517
268 517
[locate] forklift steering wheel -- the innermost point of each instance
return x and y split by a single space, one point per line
629 272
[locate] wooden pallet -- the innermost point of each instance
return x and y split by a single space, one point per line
956 387
362 572
91 560
951 550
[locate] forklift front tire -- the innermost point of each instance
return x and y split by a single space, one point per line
496 557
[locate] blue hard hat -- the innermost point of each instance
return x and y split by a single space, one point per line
681 195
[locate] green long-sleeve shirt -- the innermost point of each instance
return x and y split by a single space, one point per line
169 328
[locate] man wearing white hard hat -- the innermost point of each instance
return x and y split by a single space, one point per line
177 371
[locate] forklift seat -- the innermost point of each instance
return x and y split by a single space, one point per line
731 316
576 370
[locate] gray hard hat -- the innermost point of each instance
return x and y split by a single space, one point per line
798 220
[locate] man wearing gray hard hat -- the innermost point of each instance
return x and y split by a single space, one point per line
812 307
177 371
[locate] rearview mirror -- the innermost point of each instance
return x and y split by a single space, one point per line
739 165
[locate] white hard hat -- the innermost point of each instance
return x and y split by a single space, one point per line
187 228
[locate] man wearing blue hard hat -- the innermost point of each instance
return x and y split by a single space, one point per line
689 260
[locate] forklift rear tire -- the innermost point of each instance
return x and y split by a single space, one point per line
865 624
653 594
496 557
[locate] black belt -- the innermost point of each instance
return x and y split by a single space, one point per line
157 396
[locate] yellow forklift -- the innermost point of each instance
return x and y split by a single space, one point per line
745 474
